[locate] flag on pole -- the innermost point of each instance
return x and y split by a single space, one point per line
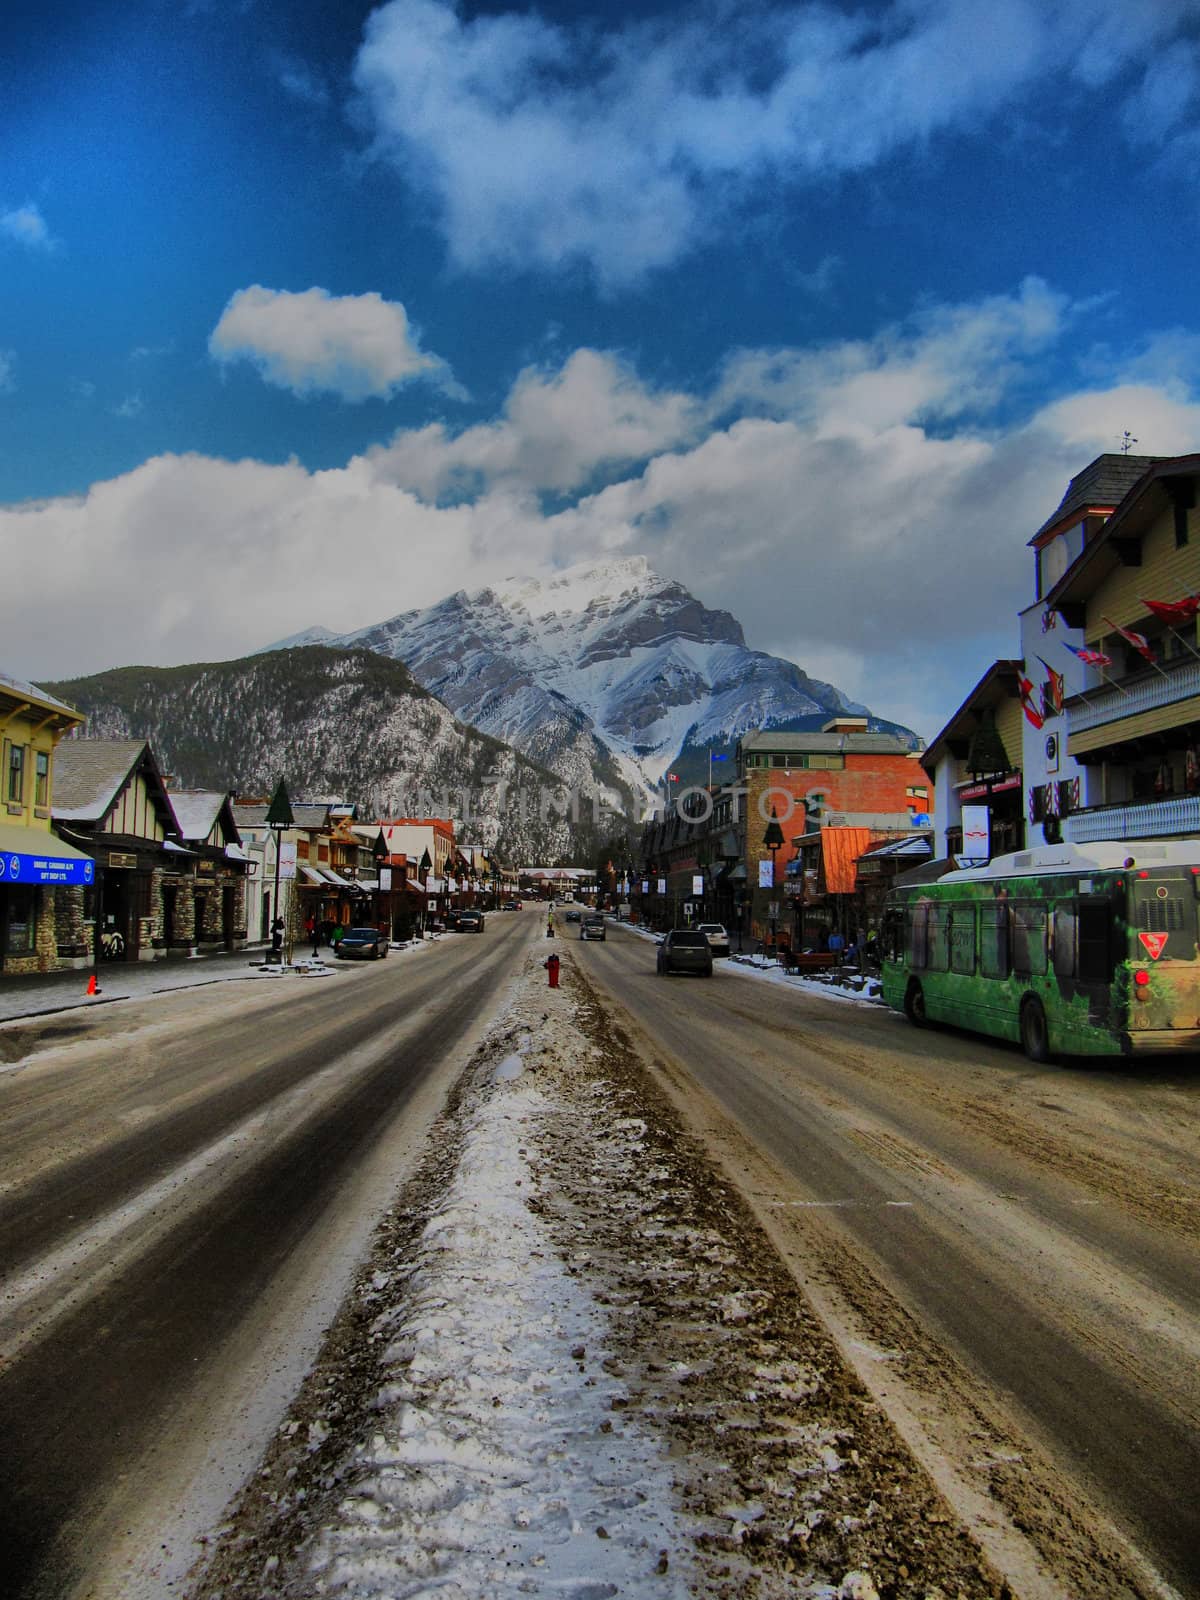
1032 714
1139 641
1053 690
672 777
1090 658
721 756
1175 613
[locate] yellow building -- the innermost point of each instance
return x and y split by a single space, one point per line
34 862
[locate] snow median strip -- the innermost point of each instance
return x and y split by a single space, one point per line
574 1367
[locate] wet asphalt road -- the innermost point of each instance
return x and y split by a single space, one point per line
200 1154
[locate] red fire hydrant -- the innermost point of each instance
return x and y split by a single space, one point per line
551 966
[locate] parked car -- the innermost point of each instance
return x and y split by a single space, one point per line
592 927
470 922
362 944
718 939
685 950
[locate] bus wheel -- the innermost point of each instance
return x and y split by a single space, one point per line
914 1005
1035 1038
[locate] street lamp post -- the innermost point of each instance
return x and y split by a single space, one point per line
279 817
773 840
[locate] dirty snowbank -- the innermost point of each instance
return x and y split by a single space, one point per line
574 1367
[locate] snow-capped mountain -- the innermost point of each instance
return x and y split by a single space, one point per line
606 673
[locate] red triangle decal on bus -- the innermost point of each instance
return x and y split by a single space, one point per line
1154 943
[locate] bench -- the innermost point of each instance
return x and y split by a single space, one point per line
809 960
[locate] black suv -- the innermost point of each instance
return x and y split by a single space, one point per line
685 950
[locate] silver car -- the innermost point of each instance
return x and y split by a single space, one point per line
718 939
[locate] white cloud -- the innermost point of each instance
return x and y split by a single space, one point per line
354 346
8 362
547 147
839 529
26 225
131 406
555 431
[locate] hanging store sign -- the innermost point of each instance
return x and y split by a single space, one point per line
19 866
122 859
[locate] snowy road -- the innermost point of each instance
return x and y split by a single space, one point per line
186 1186
1008 1252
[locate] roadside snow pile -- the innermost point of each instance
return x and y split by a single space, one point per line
494 1467
575 1368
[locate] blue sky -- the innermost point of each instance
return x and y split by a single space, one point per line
313 312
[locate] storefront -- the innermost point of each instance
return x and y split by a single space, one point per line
33 866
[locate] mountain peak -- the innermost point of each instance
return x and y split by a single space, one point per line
577 589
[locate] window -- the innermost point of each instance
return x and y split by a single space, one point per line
993 940
916 934
16 774
21 932
1029 940
41 778
937 950
962 939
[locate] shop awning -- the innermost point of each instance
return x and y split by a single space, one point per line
174 849
335 877
312 874
31 855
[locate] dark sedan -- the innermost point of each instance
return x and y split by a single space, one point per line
362 944
685 950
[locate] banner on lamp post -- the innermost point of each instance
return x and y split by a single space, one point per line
698 884
662 886
766 875
977 839
287 861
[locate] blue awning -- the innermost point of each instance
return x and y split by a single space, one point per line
29 855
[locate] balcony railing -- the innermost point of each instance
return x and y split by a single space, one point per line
1156 819
1107 704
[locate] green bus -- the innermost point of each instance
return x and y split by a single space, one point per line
1065 949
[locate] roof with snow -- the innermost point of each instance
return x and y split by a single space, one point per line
18 689
199 811
90 773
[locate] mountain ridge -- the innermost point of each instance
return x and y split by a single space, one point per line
608 673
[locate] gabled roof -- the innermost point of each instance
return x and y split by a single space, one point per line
998 683
89 775
199 809
1100 487
1148 498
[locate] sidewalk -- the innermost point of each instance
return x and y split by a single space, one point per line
57 991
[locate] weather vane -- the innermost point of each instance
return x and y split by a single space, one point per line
1127 442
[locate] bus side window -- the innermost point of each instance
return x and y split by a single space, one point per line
1065 935
993 940
1095 942
915 934
1029 940
962 939
937 948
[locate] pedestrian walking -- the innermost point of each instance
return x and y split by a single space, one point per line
337 935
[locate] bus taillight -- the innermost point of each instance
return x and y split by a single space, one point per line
1141 984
